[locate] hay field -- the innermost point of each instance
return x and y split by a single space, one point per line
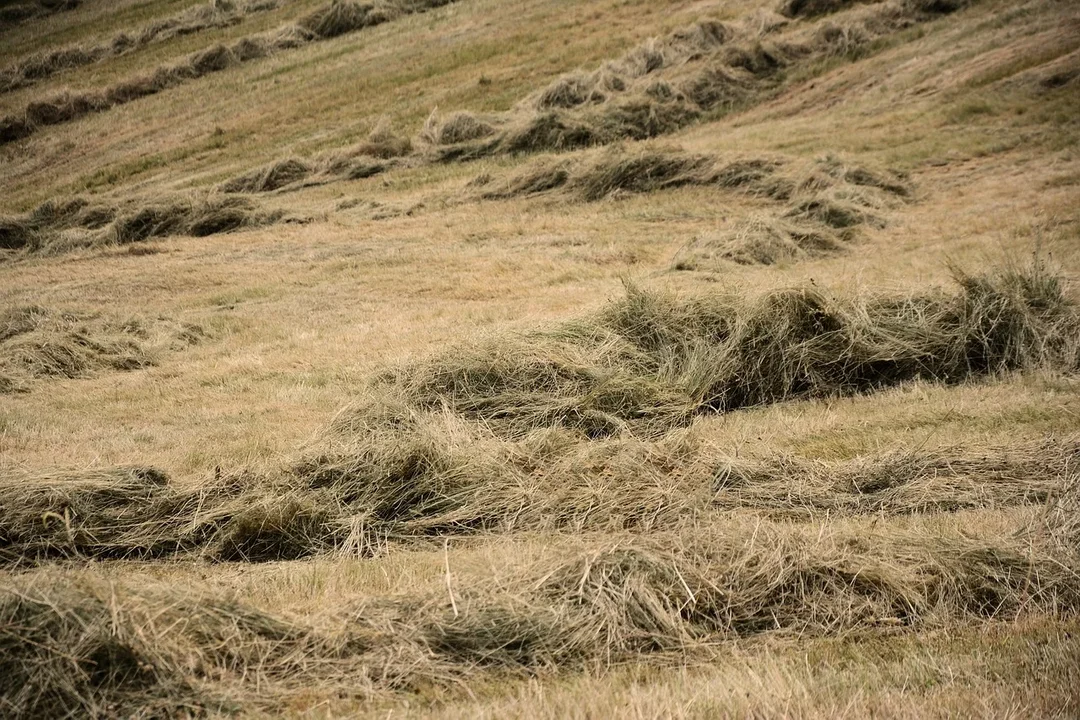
466 358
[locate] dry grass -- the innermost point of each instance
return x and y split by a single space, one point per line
57 227
650 362
77 644
44 64
19 12
379 153
337 18
663 85
36 342
838 487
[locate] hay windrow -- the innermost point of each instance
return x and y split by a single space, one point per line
582 426
19 12
75 643
42 65
650 362
38 343
59 226
668 82
330 21
382 151
823 205
434 477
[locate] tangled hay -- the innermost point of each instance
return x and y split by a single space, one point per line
383 143
456 128
272 177
537 178
330 21
196 217
668 82
440 477
579 427
59 226
74 643
36 342
42 65
649 362
14 13
826 203
648 171
761 239
116 513
812 8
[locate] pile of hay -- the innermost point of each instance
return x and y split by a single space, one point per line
40 343
649 362
75 644
581 427
822 205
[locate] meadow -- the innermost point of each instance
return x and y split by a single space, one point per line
533 358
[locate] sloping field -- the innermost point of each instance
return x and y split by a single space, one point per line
617 358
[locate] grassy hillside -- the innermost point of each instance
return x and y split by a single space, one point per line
539 359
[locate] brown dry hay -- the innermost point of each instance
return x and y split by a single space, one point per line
18 12
826 202
579 427
669 82
60 226
40 343
75 643
41 65
327 22
650 362
379 153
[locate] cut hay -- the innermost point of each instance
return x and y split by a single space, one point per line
456 128
383 143
826 203
123 513
437 476
762 239
40 343
184 217
42 65
812 8
18 12
650 362
648 171
74 643
272 177
330 21
60 226
78 645
669 82
537 178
